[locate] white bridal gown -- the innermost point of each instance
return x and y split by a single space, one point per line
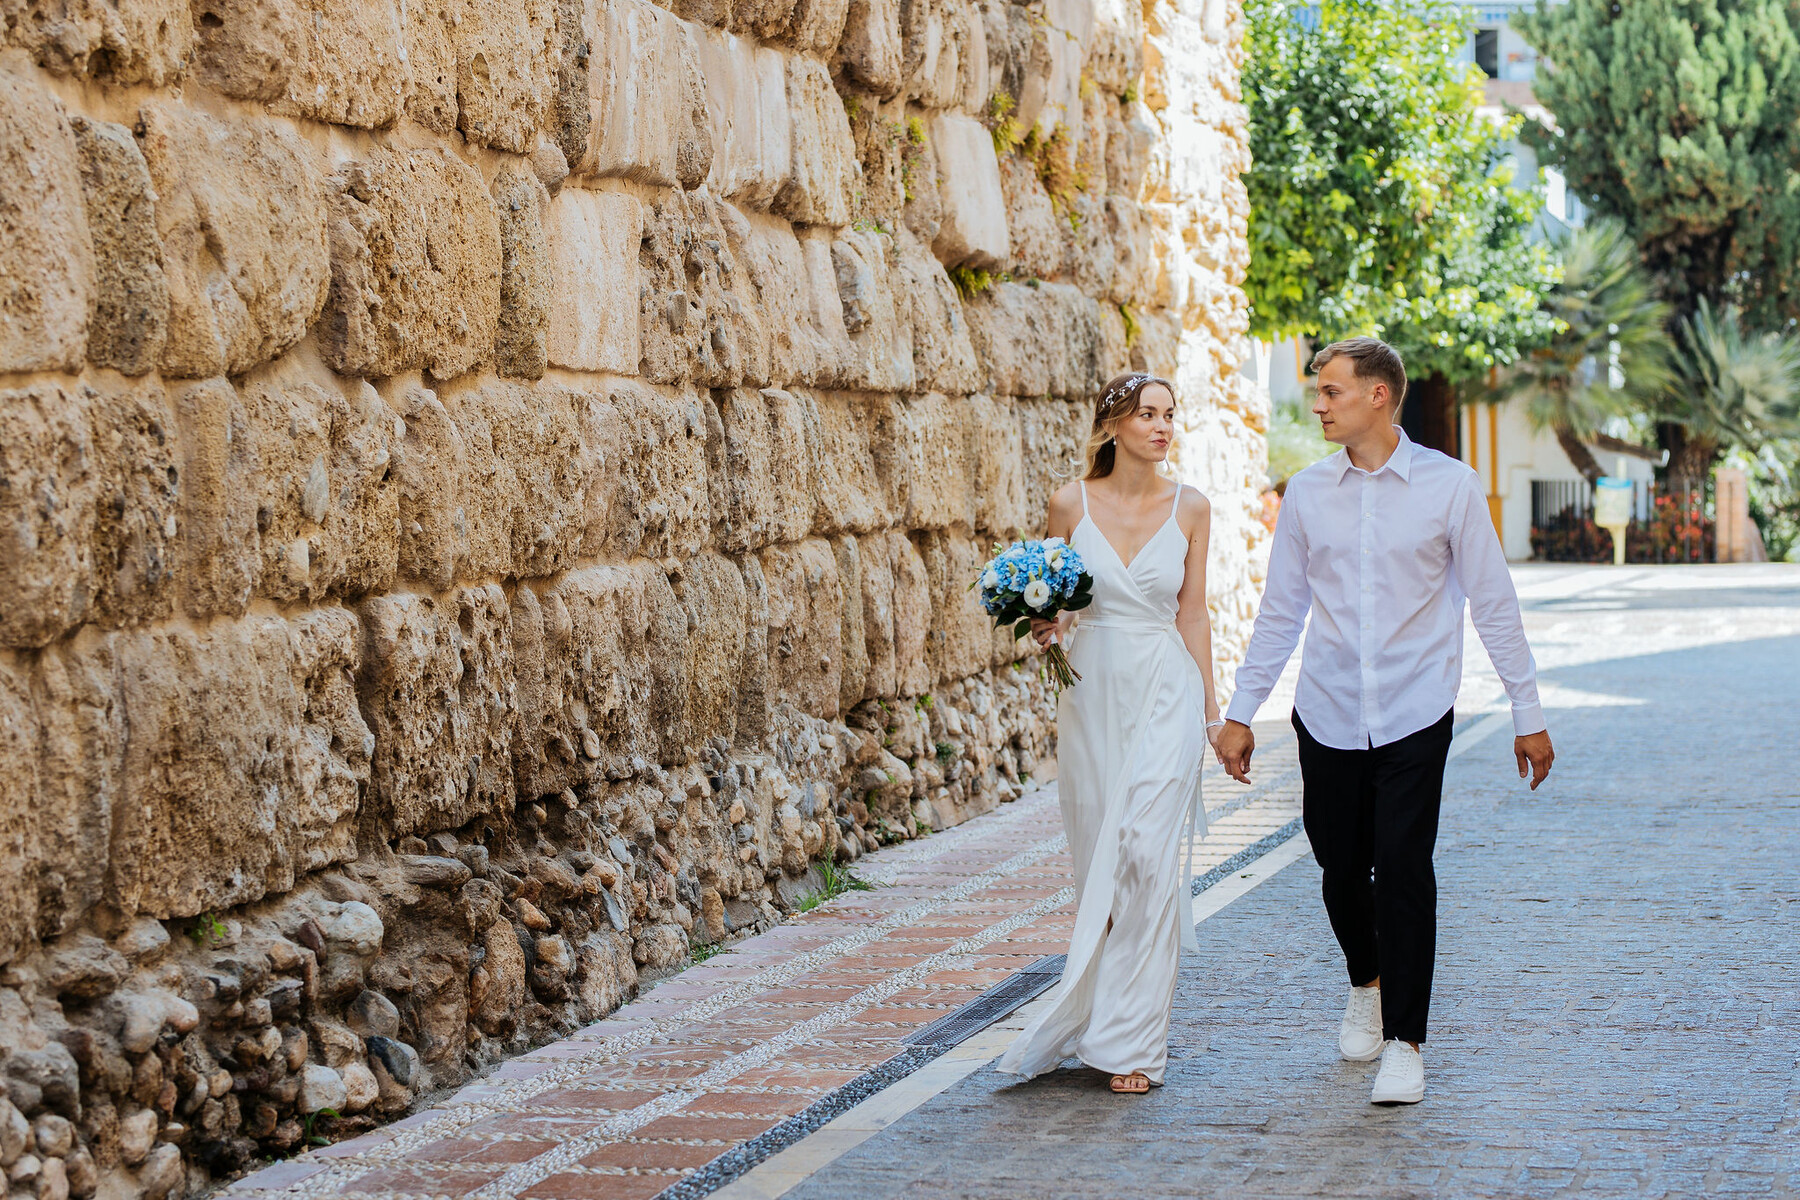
1131 738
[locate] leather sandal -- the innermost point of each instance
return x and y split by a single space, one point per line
1135 1084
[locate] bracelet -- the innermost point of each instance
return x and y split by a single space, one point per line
1218 724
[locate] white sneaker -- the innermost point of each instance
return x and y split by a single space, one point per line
1401 1079
1359 1037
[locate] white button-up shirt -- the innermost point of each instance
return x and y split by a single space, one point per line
1383 560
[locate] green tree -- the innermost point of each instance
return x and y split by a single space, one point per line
1609 355
1682 118
1730 387
1380 200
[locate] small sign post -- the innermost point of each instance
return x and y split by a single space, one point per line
1612 511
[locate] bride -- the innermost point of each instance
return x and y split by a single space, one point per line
1131 738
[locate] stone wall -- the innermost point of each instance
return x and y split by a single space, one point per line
487 493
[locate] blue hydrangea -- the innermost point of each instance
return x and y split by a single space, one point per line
1010 572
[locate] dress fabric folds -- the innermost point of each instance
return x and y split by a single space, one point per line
1131 742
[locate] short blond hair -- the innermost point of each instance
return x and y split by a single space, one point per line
1373 358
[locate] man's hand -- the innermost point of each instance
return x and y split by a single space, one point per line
1235 745
1535 755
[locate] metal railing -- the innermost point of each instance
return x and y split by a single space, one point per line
1671 522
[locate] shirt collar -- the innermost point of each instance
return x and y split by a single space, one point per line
1399 462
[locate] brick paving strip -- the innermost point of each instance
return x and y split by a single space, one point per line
724 1052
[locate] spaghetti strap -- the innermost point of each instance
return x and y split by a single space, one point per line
1083 485
1176 507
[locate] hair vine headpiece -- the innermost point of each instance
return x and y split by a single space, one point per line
1123 389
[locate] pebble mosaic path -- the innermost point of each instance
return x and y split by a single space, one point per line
728 1049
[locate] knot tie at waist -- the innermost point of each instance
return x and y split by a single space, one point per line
1129 625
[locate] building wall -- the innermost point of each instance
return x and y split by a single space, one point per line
488 493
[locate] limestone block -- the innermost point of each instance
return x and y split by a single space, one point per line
1051 90
20 799
936 36
793 287
75 692
935 433
694 325
434 529
1042 340
50 490
805 626
240 208
714 607
974 68
853 647
527 477
521 344
1115 56
219 539
896 614
508 56
870 53
1128 149
764 469
1038 235
46 257
960 641
327 503
1134 262
943 356
594 240
243 763
571 110
415 266
116 41
340 61
807 25
597 672
431 64
649 98
997 464
796 445
437 684
1092 260
129 319
973 231
756 672
1052 434
875 310
852 495
752 132
824 172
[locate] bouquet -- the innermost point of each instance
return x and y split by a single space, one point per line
1036 579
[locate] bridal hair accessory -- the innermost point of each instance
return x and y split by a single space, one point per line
1123 389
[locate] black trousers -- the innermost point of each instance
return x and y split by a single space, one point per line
1372 818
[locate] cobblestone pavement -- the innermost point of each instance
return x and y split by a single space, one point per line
721 1053
1617 1005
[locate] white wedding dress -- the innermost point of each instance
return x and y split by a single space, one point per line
1131 738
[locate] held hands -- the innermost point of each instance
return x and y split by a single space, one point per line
1234 744
1534 752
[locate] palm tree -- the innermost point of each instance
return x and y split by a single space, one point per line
1728 387
1610 356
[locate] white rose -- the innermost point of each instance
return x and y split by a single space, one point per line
990 579
1053 543
1054 558
1037 592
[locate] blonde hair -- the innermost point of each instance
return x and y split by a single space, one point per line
1118 400
1370 358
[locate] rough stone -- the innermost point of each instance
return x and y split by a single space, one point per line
339 61
823 172
521 344
649 95
594 239
47 272
240 213
129 319
415 266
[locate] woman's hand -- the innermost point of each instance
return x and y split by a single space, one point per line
1044 630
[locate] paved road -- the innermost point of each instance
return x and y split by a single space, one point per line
1618 997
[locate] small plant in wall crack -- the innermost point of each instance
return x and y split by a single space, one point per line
314 1139
1001 126
971 282
206 929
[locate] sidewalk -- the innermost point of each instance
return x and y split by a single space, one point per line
810 1018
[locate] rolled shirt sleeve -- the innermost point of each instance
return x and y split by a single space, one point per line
1481 573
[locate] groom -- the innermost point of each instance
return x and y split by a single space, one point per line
1381 543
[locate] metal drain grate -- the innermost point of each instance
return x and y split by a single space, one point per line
995 1004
